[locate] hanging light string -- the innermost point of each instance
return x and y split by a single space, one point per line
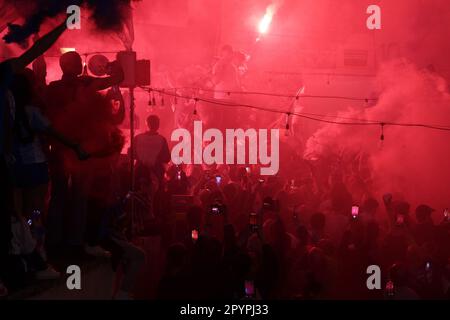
291 110
309 116
273 110
279 95
296 98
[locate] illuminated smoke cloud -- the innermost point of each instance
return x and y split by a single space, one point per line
410 159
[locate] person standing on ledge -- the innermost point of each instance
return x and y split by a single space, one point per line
7 111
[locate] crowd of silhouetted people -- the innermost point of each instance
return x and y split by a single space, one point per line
225 231
274 238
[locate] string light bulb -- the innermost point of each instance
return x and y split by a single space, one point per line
382 132
287 127
150 97
195 106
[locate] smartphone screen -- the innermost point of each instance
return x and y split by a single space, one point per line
218 180
355 212
249 288
247 169
194 235
446 213
215 210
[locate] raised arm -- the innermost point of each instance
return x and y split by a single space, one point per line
115 78
38 48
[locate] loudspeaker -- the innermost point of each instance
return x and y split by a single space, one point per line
127 60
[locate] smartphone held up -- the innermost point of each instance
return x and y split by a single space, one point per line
194 235
249 289
355 212
218 180
217 208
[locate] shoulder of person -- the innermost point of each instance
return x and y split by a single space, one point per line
138 136
161 137
86 78
54 84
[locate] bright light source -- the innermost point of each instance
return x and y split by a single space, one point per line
65 50
265 22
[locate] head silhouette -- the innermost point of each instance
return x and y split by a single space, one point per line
71 64
153 123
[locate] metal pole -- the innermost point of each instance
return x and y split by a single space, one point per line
132 166
131 92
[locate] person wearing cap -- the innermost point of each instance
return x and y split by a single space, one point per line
425 230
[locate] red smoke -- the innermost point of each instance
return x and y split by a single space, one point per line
411 161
